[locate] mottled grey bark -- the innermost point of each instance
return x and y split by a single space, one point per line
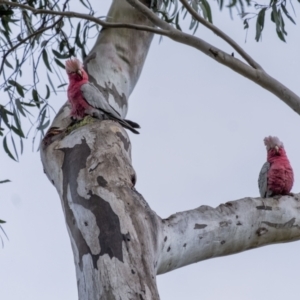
116 61
114 233
114 247
119 243
235 226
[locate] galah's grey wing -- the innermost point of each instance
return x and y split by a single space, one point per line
263 180
96 99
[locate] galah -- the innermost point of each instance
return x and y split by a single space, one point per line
276 176
86 99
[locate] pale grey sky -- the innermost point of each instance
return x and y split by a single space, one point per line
200 143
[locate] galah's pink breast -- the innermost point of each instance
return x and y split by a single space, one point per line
78 104
280 177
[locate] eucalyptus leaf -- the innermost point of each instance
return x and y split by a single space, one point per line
50 81
18 87
4 181
46 60
5 147
59 63
35 97
19 107
287 13
260 23
14 146
47 92
59 55
6 62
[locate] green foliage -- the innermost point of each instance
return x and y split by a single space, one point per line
172 11
37 43
31 45
278 11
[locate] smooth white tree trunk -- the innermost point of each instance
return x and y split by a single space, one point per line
116 61
119 243
114 233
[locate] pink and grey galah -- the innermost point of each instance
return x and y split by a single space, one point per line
276 176
86 99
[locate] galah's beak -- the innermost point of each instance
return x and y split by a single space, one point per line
79 73
276 149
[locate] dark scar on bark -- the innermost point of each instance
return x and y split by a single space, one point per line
262 207
261 231
126 143
101 181
225 223
127 237
110 237
120 51
200 226
213 52
133 180
287 225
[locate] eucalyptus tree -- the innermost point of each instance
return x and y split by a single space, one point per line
119 243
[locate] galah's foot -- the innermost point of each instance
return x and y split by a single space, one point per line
105 117
291 194
73 121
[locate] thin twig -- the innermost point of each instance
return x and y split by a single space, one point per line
222 35
71 14
26 39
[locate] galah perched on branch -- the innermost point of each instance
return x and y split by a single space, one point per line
86 99
276 176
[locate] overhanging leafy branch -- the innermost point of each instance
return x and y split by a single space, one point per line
46 36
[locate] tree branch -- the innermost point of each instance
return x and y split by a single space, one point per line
71 14
222 35
258 76
235 226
